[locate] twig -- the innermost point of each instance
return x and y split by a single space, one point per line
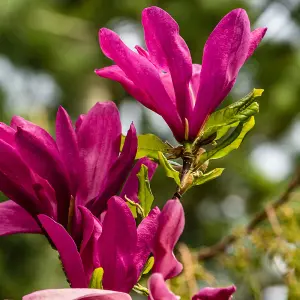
220 247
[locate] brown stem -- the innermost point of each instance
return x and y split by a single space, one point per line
221 246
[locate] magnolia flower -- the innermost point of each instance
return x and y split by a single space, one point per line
117 246
159 291
164 79
77 294
82 167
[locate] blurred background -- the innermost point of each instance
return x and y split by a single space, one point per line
48 53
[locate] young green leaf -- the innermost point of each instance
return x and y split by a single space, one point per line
208 176
96 280
222 120
148 266
149 145
145 195
170 172
231 143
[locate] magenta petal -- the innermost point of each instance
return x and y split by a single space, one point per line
116 74
215 293
158 289
79 122
76 294
117 245
145 235
170 227
168 50
17 182
7 134
131 186
38 149
143 74
67 250
224 54
255 38
118 172
99 139
66 141
15 219
92 230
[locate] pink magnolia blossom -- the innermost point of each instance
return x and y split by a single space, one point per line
115 245
77 294
159 291
83 167
165 80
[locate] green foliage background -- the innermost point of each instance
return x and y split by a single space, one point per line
59 38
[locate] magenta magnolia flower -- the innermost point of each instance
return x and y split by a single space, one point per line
164 78
159 290
77 294
117 246
82 167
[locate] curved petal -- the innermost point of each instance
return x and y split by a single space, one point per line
215 293
168 50
117 245
76 294
92 230
67 250
38 149
145 235
170 227
255 38
7 134
118 173
158 289
99 140
66 141
79 122
131 186
116 74
18 182
224 54
15 219
143 74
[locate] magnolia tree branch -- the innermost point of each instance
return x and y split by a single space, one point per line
221 246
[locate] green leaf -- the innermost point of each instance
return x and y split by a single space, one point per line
96 280
208 176
148 266
231 143
224 119
145 195
149 145
170 172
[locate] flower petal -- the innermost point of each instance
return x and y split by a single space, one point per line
131 186
7 134
77 294
67 250
215 293
116 74
168 50
255 38
117 245
92 230
79 122
38 149
66 141
143 74
170 227
99 140
18 182
15 219
118 172
158 289
224 54
145 235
